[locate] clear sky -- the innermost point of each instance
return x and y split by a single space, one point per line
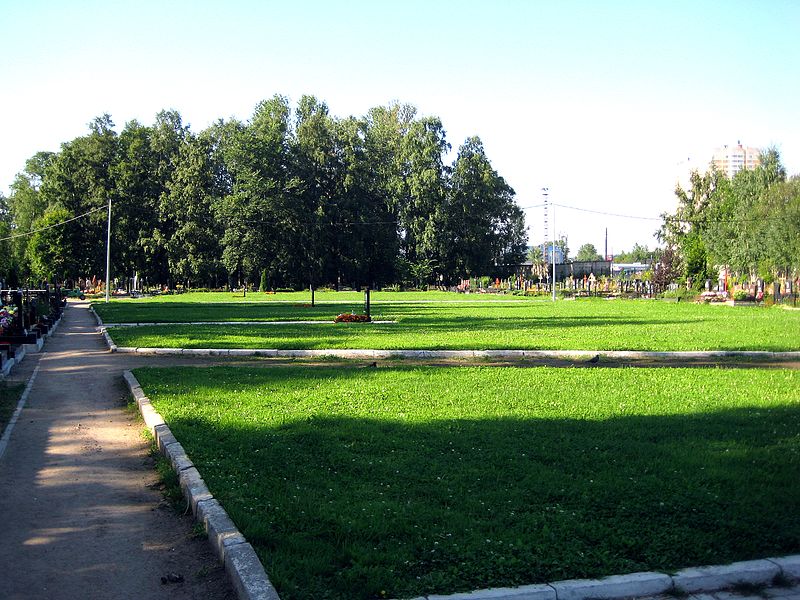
605 103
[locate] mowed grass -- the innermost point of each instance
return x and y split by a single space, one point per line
524 324
226 306
396 482
9 397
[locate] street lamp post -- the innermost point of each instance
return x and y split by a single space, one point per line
108 250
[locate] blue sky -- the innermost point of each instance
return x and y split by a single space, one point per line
605 103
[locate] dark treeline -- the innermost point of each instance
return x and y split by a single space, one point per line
290 198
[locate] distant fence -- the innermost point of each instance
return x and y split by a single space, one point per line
579 270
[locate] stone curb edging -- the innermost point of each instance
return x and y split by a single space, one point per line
371 353
329 322
637 585
241 563
96 316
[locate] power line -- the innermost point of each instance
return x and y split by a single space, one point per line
608 214
32 231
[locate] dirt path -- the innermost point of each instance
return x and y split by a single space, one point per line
79 517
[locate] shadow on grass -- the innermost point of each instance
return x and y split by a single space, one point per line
342 507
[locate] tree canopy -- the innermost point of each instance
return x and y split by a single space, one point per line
749 224
587 253
292 197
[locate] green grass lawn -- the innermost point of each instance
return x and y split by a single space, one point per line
364 483
9 397
226 306
523 324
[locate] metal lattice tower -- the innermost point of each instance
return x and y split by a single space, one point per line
544 240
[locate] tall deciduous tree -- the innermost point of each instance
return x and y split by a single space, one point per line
481 230
196 188
587 253
80 179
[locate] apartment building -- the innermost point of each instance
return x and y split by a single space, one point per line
732 159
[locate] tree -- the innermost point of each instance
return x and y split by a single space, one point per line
688 227
26 205
667 270
50 249
315 208
365 229
195 189
257 207
135 206
480 229
80 179
639 254
587 253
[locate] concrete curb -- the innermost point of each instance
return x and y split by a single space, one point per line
329 322
96 316
440 354
706 579
241 563
638 585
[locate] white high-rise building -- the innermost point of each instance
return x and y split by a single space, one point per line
732 159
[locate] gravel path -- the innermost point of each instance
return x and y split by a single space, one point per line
81 515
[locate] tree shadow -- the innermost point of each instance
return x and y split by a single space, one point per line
352 506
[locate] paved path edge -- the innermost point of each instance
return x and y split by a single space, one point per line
241 563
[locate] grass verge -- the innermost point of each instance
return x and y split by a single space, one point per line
9 397
579 325
364 483
224 306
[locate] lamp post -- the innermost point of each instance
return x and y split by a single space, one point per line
108 250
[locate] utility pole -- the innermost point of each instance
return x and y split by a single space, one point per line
544 239
108 251
554 253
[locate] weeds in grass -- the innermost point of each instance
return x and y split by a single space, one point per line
199 531
169 478
9 398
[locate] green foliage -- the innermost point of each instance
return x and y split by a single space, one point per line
9 397
587 253
748 223
639 254
400 482
482 230
50 249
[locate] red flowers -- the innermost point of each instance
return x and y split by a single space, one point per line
351 318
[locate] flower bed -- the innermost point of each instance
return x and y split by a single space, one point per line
352 318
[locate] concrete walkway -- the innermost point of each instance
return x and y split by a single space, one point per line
79 517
